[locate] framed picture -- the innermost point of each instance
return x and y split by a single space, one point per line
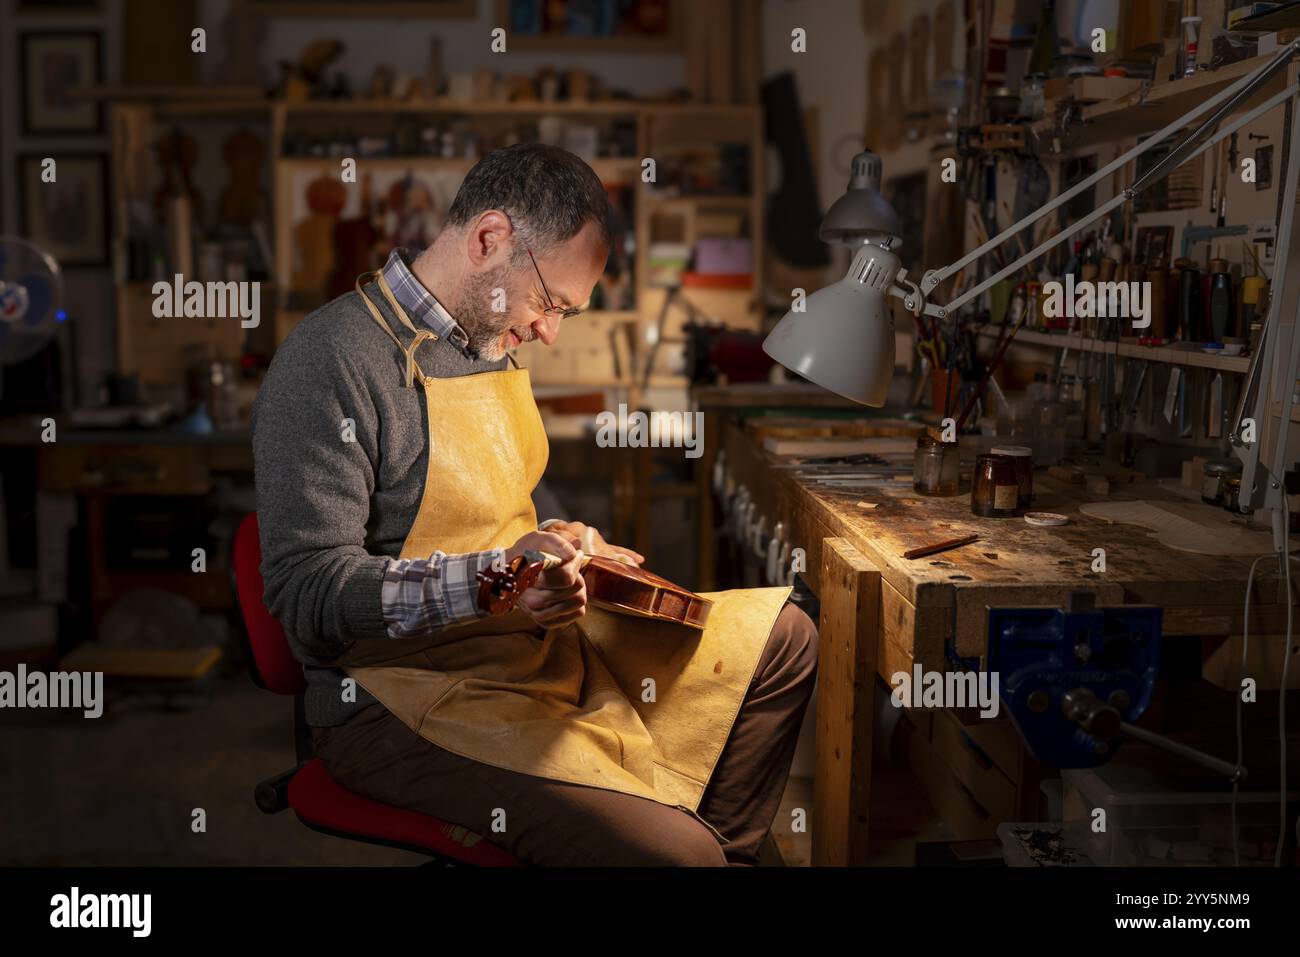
68 217
60 6
54 64
610 25
412 9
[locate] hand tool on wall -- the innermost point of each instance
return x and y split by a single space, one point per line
1214 408
1171 393
1134 379
1191 305
1223 302
1184 420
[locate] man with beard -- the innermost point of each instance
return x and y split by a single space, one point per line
396 456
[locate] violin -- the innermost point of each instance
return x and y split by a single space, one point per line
611 584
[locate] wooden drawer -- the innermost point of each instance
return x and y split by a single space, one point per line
969 791
130 469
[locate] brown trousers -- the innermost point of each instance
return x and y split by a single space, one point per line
560 824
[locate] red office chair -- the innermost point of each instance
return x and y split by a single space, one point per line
316 799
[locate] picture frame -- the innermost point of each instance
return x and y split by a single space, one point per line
59 6
644 26
52 64
408 9
68 218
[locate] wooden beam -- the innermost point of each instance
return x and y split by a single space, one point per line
850 634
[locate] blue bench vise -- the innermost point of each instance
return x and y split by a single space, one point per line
1073 679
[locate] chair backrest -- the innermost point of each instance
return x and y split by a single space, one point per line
277 668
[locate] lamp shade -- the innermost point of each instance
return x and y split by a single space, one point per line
862 213
843 339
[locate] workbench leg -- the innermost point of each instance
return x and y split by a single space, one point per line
850 632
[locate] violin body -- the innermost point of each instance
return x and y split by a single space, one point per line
611 584
633 591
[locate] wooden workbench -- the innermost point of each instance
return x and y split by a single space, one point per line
881 613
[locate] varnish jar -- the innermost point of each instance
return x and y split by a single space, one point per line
1215 480
936 467
1024 471
995 487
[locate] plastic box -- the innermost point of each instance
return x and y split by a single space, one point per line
1161 811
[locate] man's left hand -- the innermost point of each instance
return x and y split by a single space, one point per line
590 541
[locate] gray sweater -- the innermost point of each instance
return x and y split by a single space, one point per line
331 510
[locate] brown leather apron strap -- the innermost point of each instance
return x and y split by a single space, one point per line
421 335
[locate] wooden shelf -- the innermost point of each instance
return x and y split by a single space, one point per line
699 199
609 169
381 162
1126 349
582 108
1142 112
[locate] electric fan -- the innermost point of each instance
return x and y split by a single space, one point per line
31 299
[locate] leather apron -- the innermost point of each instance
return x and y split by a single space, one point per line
609 701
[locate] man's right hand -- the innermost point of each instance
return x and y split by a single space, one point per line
560 594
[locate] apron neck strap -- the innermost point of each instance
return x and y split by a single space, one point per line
421 335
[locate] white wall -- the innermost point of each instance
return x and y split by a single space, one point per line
831 77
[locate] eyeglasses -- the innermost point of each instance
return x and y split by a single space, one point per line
551 308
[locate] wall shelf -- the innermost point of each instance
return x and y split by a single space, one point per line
1145 112
1128 349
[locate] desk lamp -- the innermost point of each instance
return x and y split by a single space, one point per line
842 337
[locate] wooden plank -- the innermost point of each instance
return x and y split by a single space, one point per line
973 603
850 630
910 634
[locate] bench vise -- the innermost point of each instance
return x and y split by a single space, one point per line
1073 679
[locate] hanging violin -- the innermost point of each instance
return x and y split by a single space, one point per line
611 584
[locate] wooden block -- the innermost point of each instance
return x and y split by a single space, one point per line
1066 473
1193 472
850 632
1097 484
1265 657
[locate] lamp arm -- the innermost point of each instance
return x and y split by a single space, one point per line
1117 200
1225 100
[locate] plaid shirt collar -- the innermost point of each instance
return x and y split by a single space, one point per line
419 303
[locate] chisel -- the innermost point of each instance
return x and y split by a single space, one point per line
1214 416
1171 393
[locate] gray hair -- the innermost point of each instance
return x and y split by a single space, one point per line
548 193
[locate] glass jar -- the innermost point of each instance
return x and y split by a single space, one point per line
1232 494
1024 460
935 469
1214 480
995 489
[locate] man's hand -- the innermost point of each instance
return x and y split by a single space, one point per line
589 540
560 594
